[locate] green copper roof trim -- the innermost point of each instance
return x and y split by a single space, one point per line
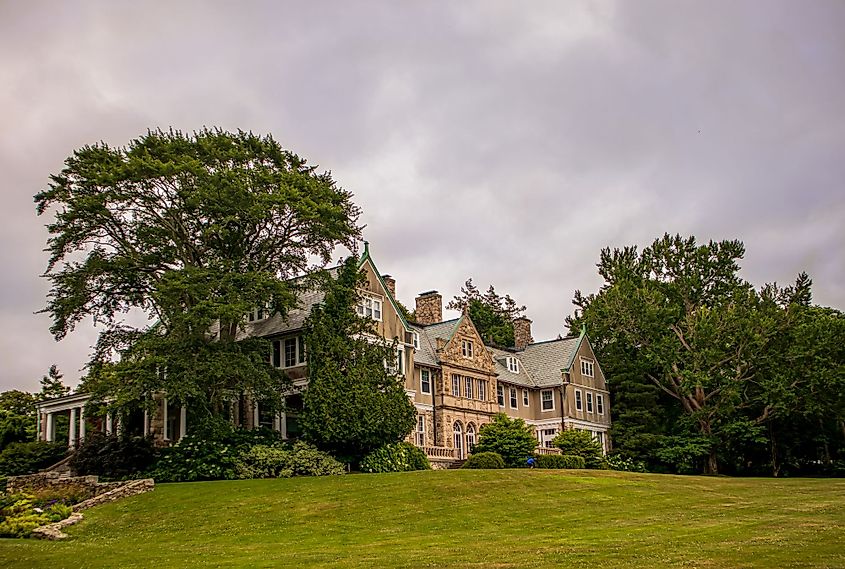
581 337
364 258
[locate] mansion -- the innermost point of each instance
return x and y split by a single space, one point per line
455 381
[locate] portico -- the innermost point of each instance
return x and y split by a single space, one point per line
72 406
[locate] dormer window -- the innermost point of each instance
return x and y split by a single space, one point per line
258 314
416 340
513 364
369 307
466 348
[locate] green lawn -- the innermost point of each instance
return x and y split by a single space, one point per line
506 518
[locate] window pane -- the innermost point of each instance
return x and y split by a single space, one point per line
290 352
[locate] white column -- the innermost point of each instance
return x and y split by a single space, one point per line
71 428
183 422
49 434
255 415
146 422
277 422
108 424
164 432
283 423
81 424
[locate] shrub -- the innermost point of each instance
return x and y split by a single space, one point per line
581 443
306 460
616 462
113 456
512 439
559 461
26 458
484 460
194 458
397 457
262 461
19 515
67 493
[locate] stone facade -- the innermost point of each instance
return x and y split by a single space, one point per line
429 307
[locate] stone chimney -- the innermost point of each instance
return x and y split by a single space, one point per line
522 333
429 307
390 283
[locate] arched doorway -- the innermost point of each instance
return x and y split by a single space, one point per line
459 440
470 437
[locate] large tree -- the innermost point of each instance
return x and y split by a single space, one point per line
193 231
355 401
492 313
679 316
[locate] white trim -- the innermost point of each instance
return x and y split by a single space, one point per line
586 424
599 407
183 420
588 362
579 401
373 298
422 389
501 387
540 423
424 406
512 364
542 407
526 397
467 349
513 397
590 406
410 393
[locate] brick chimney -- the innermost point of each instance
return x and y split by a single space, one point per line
429 307
522 333
390 283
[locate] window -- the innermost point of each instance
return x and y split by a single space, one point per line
258 314
547 436
525 398
400 360
547 400
289 352
482 390
500 395
466 348
459 439
415 338
579 406
425 381
600 404
586 367
589 402
470 437
513 365
468 387
600 438
369 307
420 430
456 385
512 393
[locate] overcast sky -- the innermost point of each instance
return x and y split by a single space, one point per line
508 142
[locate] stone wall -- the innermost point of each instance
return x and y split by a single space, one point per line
55 481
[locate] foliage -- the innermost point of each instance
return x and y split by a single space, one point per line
210 452
194 231
51 384
113 456
67 493
707 373
26 458
262 461
17 417
355 401
560 461
19 515
396 457
616 462
573 442
512 439
484 460
492 314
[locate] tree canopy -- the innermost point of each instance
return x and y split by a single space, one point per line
492 314
702 366
355 401
192 231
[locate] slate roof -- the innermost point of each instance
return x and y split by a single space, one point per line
540 364
427 354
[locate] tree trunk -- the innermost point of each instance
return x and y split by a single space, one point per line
774 448
712 465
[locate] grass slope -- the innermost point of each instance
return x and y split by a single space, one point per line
506 518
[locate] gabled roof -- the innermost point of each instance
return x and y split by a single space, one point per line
427 354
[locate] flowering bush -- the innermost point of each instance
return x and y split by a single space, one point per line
616 462
397 457
194 458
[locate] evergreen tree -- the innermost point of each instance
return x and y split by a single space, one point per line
51 384
355 401
492 314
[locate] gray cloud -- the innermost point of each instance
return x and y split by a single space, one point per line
481 139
